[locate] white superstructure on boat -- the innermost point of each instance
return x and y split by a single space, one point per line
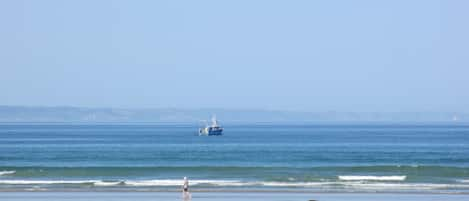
214 129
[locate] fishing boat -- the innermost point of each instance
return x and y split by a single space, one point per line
214 129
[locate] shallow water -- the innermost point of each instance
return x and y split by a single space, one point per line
225 196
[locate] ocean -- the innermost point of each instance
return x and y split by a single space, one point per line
430 158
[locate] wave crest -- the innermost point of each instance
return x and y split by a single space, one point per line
7 172
372 178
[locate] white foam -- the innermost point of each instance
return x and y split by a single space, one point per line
294 184
178 182
110 183
153 183
221 183
464 180
7 172
51 182
35 188
359 185
37 182
395 186
352 185
372 178
107 183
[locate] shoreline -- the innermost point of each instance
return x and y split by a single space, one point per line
227 196
260 191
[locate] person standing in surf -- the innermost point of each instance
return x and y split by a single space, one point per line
185 190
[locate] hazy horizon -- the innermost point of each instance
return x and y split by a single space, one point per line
230 109
359 56
129 115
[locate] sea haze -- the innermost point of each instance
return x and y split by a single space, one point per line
168 115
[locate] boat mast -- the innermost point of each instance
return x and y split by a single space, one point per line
214 121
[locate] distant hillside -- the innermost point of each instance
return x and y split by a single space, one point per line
79 114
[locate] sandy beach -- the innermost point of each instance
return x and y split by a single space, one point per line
226 196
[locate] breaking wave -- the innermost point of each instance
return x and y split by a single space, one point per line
372 178
46 182
352 185
7 172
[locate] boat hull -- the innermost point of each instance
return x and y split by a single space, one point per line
217 132
210 132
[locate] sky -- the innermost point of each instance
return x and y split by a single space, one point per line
331 55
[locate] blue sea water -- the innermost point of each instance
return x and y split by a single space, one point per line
333 157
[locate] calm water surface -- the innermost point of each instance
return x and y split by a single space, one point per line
307 157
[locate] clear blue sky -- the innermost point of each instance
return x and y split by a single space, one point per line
287 55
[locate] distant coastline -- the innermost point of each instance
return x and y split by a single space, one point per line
64 114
